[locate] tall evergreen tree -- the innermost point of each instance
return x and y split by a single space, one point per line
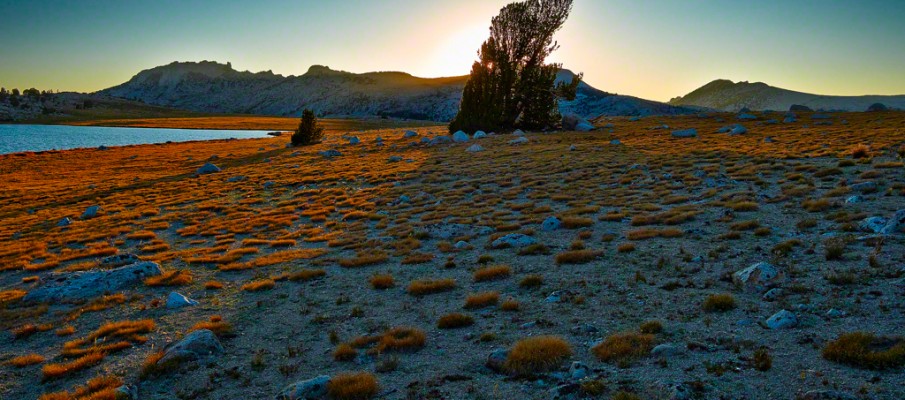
511 85
308 131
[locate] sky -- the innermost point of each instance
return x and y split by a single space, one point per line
655 49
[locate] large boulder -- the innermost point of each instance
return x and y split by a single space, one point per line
83 285
460 137
310 389
738 130
800 108
441 140
207 168
872 224
195 345
896 224
877 107
479 135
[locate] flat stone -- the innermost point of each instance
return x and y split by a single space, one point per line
685 133
84 285
782 320
207 168
310 389
176 300
514 240
758 275
195 345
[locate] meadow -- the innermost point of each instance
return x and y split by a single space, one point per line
387 267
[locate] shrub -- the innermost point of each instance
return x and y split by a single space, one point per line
363 259
577 256
865 350
214 324
762 359
623 395
626 248
52 371
454 320
510 305
401 339
352 386
429 286
492 273
308 131
483 299
624 347
306 275
258 285
651 327
835 248
170 278
537 354
531 281
719 303
213 285
382 282
860 151
577 222
344 352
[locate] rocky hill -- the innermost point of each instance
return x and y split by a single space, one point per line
218 88
726 95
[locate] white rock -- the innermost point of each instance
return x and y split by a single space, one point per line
782 320
91 212
758 275
176 300
474 148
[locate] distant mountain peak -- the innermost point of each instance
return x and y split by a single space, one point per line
726 95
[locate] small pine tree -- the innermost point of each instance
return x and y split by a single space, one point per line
308 131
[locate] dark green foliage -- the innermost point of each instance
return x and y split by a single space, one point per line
511 86
308 131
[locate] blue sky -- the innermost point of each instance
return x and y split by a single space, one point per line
655 49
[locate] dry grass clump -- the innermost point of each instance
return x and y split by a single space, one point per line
401 339
531 281
743 206
306 275
259 285
171 278
651 327
623 348
577 256
52 371
533 250
213 285
214 324
26 360
623 395
812 205
417 258
110 337
576 222
99 388
344 352
481 300
641 234
719 303
352 386
383 281
430 286
626 248
363 259
860 151
454 321
762 360
537 354
492 273
510 305
865 350
7 296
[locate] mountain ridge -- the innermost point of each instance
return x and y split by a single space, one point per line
209 86
726 95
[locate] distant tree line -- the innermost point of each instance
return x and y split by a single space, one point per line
15 98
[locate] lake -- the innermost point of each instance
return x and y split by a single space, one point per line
19 138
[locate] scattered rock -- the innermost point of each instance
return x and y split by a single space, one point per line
207 168
519 132
551 224
118 260
234 179
615 142
514 240
354 140
872 224
789 120
311 389
393 159
441 140
820 116
757 276
685 133
64 222
666 350
856 199
449 231
519 140
479 135
738 130
460 137
864 187
895 224
574 122
83 285
579 371
91 212
176 300
572 148
195 345
462 245
782 320
330 153
746 116
827 395
474 148
772 294
496 361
